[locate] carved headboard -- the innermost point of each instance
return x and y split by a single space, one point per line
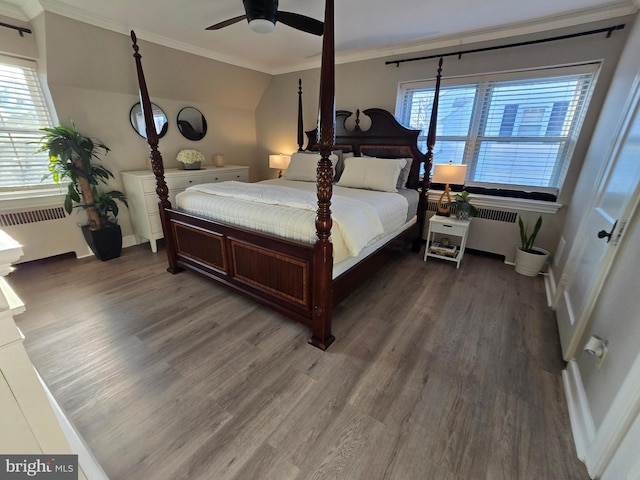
385 138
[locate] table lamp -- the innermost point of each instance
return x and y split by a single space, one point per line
447 173
280 162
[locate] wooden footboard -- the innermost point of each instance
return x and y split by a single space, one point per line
274 271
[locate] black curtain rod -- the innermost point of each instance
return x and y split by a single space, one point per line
21 30
608 30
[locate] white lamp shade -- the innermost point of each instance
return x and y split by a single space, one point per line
449 173
280 162
260 25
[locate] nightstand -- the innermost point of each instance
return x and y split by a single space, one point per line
447 227
140 188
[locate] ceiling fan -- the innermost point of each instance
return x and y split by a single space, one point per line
262 16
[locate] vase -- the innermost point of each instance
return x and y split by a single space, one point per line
192 166
462 214
218 160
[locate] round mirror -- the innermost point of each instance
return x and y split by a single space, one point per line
159 120
192 124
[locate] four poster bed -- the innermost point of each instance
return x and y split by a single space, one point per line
299 274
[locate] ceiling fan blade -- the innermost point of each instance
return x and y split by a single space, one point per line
226 23
301 22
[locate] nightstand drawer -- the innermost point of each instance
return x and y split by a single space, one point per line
457 230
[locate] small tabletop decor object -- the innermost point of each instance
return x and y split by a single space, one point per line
464 209
218 160
191 159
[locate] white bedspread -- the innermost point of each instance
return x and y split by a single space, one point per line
288 209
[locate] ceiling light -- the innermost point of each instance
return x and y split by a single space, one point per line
260 25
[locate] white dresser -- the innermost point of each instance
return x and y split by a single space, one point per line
140 188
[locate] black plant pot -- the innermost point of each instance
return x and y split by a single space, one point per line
105 243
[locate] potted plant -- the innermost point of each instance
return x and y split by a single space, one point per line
71 156
529 259
464 209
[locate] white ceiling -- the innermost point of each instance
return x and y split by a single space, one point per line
363 28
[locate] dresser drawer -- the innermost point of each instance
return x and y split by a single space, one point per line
242 176
149 185
183 181
140 188
156 224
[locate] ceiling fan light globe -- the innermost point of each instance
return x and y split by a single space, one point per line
261 25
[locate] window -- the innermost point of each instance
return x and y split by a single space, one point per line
514 130
23 110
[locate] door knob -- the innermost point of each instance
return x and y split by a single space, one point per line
607 235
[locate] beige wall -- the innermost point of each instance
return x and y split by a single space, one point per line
91 75
92 79
372 83
11 43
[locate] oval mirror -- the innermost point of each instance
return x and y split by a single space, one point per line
159 119
192 124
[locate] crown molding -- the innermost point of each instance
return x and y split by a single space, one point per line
571 19
29 9
12 12
25 10
59 8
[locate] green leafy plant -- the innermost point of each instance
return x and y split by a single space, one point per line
71 156
527 240
464 209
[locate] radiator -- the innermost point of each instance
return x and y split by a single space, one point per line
493 231
44 231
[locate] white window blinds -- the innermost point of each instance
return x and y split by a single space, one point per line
23 110
517 130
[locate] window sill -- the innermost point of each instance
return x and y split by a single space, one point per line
505 203
40 197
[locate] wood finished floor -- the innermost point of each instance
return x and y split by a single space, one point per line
436 373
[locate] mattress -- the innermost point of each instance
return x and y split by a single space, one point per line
288 209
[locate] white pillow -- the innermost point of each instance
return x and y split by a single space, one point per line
404 173
303 166
371 173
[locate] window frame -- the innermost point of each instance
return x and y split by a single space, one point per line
43 100
480 112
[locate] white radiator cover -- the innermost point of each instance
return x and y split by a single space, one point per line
44 230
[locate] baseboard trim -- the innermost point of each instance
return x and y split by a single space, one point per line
582 424
87 463
128 241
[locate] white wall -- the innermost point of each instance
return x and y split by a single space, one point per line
616 316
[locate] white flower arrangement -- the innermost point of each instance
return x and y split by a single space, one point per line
190 156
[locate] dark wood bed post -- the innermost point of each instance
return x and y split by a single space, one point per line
156 157
323 249
431 141
300 119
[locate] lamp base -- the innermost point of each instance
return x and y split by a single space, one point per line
443 209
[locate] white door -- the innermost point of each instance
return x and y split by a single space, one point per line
600 232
